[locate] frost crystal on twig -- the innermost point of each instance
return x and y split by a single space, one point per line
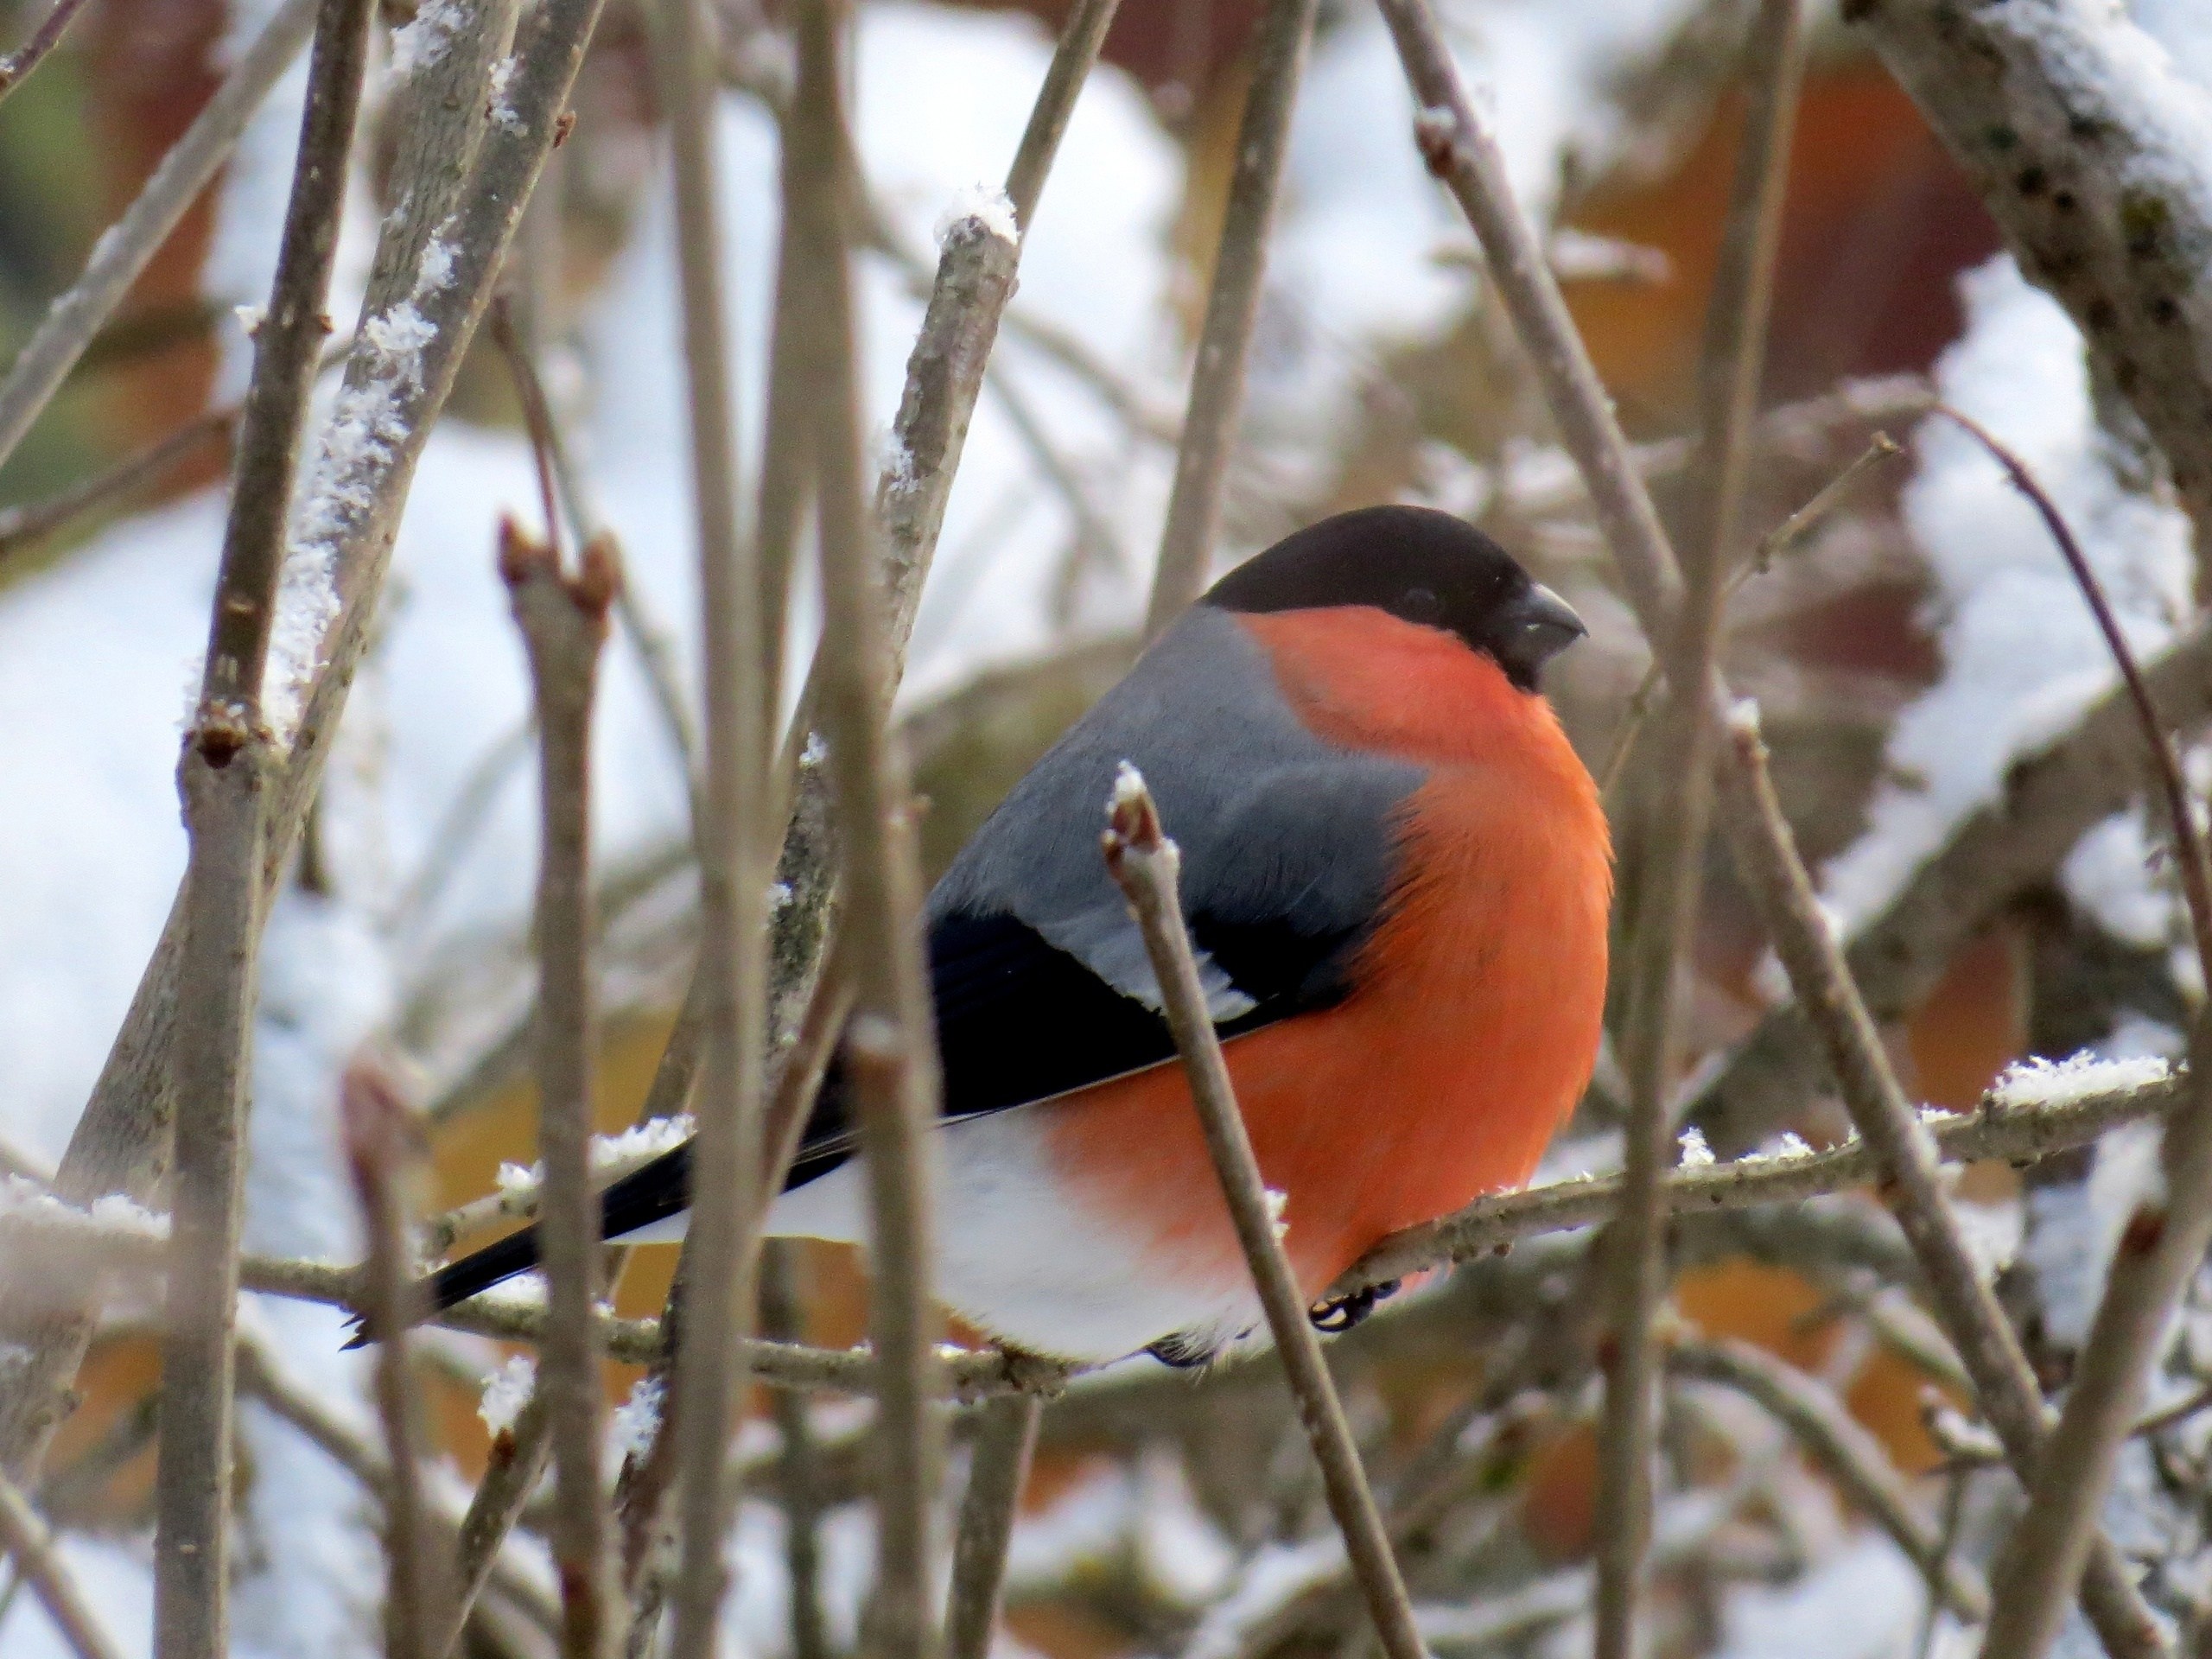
980 204
634 1422
418 44
506 1391
2038 1082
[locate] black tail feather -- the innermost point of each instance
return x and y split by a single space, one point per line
652 1193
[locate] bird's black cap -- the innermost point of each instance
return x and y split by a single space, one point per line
1420 565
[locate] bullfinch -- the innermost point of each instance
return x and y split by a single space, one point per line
1397 874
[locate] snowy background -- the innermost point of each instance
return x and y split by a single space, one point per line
1374 320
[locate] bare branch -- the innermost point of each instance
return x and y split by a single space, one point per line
2165 1242
383 1142
719 1252
25 1537
1777 1186
511 1474
1677 819
27 57
2166 767
1285 32
998 1467
1143 862
1081 37
558 479
121 254
428 286
1913 1184
1461 151
1842 1447
262 1377
797 1472
1777 544
32 522
892 1040
224 810
225 774
564 623
2049 800
2003 1132
1804 431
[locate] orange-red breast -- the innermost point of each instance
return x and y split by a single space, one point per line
1398 873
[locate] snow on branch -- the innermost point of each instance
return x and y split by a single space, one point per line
2093 153
2082 1099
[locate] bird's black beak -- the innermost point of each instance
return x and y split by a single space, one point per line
1535 629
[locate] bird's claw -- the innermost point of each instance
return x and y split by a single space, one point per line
1340 1313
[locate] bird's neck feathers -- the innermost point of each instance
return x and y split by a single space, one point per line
1362 677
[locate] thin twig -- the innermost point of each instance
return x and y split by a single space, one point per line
1465 156
558 477
456 831
998 1467
511 1472
463 179
1547 486
944 373
1092 531
1677 818
1463 152
2181 817
1955 1494
536 413
225 775
1777 544
1844 1447
797 1459
892 1041
2162 1247
733 833
1912 1185
27 57
33 521
563 624
1997 1131
1283 35
25 1537
517 1200
2048 800
1081 37
122 253
384 1143
1143 862
786 482
520 1456
263 1377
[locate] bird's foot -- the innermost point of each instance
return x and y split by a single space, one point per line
1340 1313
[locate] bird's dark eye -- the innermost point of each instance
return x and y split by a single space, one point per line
1419 604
